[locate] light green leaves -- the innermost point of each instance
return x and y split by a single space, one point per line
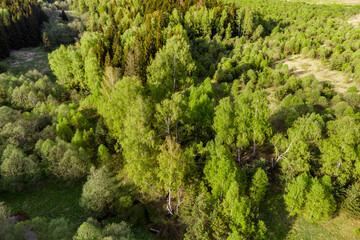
171 69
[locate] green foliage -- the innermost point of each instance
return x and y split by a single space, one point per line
150 72
103 153
198 221
58 228
169 114
339 151
259 186
171 69
220 170
352 202
47 43
64 160
295 197
87 231
311 197
16 168
99 192
64 131
224 122
174 165
20 25
320 203
293 152
90 230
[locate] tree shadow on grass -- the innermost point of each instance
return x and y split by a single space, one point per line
277 219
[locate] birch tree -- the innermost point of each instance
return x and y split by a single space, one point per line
292 150
339 151
169 114
260 124
242 123
174 163
171 69
224 122
220 171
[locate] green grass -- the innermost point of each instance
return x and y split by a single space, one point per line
50 199
282 226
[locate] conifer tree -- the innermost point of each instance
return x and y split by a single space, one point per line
63 15
320 203
47 43
296 191
259 186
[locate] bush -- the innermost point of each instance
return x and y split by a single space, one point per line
90 230
100 192
121 231
337 61
4 67
280 92
352 98
87 231
64 160
16 169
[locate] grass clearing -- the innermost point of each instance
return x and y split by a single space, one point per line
305 66
282 226
49 199
23 60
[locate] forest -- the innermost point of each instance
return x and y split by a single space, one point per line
190 119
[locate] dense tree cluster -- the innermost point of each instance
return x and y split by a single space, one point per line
187 106
148 71
20 23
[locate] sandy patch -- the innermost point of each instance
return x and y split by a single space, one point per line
306 66
355 20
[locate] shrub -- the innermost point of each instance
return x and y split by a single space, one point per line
100 192
16 169
4 67
337 61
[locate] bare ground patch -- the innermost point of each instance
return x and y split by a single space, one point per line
27 59
328 1
355 21
305 66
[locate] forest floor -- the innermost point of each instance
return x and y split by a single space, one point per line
23 60
305 66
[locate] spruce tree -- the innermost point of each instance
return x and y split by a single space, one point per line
320 203
63 16
47 43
